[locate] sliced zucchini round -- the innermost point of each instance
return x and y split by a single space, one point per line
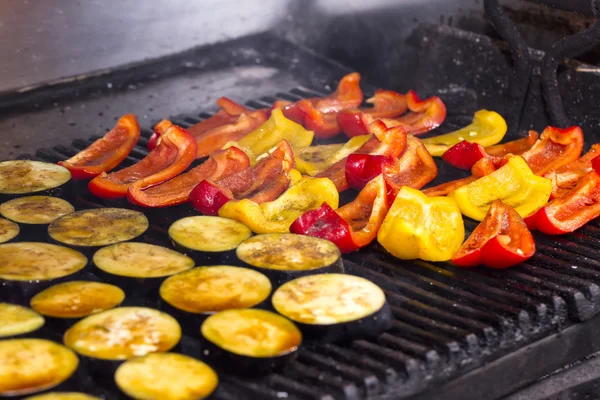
77 299
36 261
123 333
98 227
216 288
32 365
35 209
8 230
18 320
331 307
208 234
166 376
285 256
25 176
141 260
63 396
255 341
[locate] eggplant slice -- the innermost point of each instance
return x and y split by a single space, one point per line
8 230
77 299
98 227
331 307
63 396
25 176
210 289
250 341
35 210
123 333
141 260
17 320
285 256
208 234
32 365
36 261
166 376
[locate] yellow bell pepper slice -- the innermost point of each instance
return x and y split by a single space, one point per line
276 129
277 216
514 183
488 128
418 226
315 159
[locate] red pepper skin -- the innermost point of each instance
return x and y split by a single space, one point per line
159 129
483 167
555 148
361 168
175 152
565 178
208 198
464 155
386 104
414 169
106 153
177 190
515 147
501 240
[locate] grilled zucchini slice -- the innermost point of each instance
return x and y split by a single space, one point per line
76 299
208 234
8 230
98 227
141 260
63 396
123 333
166 376
250 341
26 176
285 256
32 365
16 320
35 210
331 307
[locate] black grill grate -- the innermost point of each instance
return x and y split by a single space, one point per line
447 321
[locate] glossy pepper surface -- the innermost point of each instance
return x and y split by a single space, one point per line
276 216
486 129
418 226
315 159
515 147
514 184
175 151
353 225
501 240
107 152
565 178
414 169
464 154
556 147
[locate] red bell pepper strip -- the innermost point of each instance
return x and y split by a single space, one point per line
515 147
352 226
320 114
362 168
555 148
175 152
571 211
464 155
107 152
415 169
160 128
565 178
425 115
386 104
177 190
389 142
261 183
501 240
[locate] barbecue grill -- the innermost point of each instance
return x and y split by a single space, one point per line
457 333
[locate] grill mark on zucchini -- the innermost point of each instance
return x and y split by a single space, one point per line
35 209
166 376
209 234
17 320
8 230
25 176
76 299
27 261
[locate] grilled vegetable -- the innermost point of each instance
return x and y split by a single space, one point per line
16 320
8 230
250 342
98 227
166 376
106 153
76 299
565 178
515 147
464 154
63 396
201 291
285 256
555 148
417 226
20 177
315 159
33 365
35 209
208 238
331 307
